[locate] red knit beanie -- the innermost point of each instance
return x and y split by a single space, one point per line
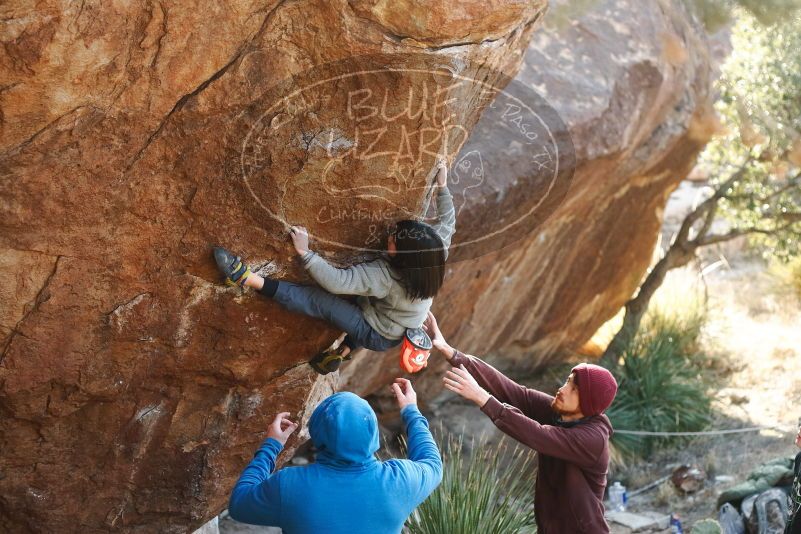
597 388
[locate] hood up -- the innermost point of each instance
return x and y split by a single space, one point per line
344 429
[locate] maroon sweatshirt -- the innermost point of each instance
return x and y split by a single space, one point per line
573 457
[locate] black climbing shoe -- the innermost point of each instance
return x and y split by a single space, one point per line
329 360
231 266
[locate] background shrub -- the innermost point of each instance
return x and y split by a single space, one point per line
491 491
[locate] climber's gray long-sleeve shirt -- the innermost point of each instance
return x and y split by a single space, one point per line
382 297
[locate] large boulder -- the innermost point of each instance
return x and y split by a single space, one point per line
133 386
632 82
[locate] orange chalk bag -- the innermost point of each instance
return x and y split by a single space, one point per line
415 350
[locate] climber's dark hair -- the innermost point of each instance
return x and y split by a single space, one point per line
419 258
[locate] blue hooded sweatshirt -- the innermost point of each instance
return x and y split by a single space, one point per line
347 490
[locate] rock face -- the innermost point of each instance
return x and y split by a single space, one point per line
633 87
631 80
133 386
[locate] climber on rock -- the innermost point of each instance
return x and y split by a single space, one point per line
347 490
395 291
569 432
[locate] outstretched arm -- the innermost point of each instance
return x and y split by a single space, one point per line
581 445
423 452
425 469
371 279
256 498
445 225
533 403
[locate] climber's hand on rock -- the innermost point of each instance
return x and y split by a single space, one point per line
300 238
431 328
404 392
442 171
281 428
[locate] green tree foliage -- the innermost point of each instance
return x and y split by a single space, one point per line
716 13
713 13
755 164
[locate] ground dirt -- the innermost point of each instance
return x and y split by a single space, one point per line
753 332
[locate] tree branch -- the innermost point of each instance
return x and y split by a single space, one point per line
711 240
790 216
708 220
720 192
704 208
795 181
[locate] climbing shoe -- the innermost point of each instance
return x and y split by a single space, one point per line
231 266
329 360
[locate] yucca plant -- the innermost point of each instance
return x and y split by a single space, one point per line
707 526
490 491
661 386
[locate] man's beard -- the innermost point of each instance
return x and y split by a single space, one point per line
560 411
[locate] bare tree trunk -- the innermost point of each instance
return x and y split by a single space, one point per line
682 250
676 256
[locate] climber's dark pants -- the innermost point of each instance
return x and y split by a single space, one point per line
319 303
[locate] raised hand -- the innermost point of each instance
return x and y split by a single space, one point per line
460 381
431 328
404 392
281 428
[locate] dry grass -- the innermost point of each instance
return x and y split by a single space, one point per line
758 329
754 330
787 276
681 295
